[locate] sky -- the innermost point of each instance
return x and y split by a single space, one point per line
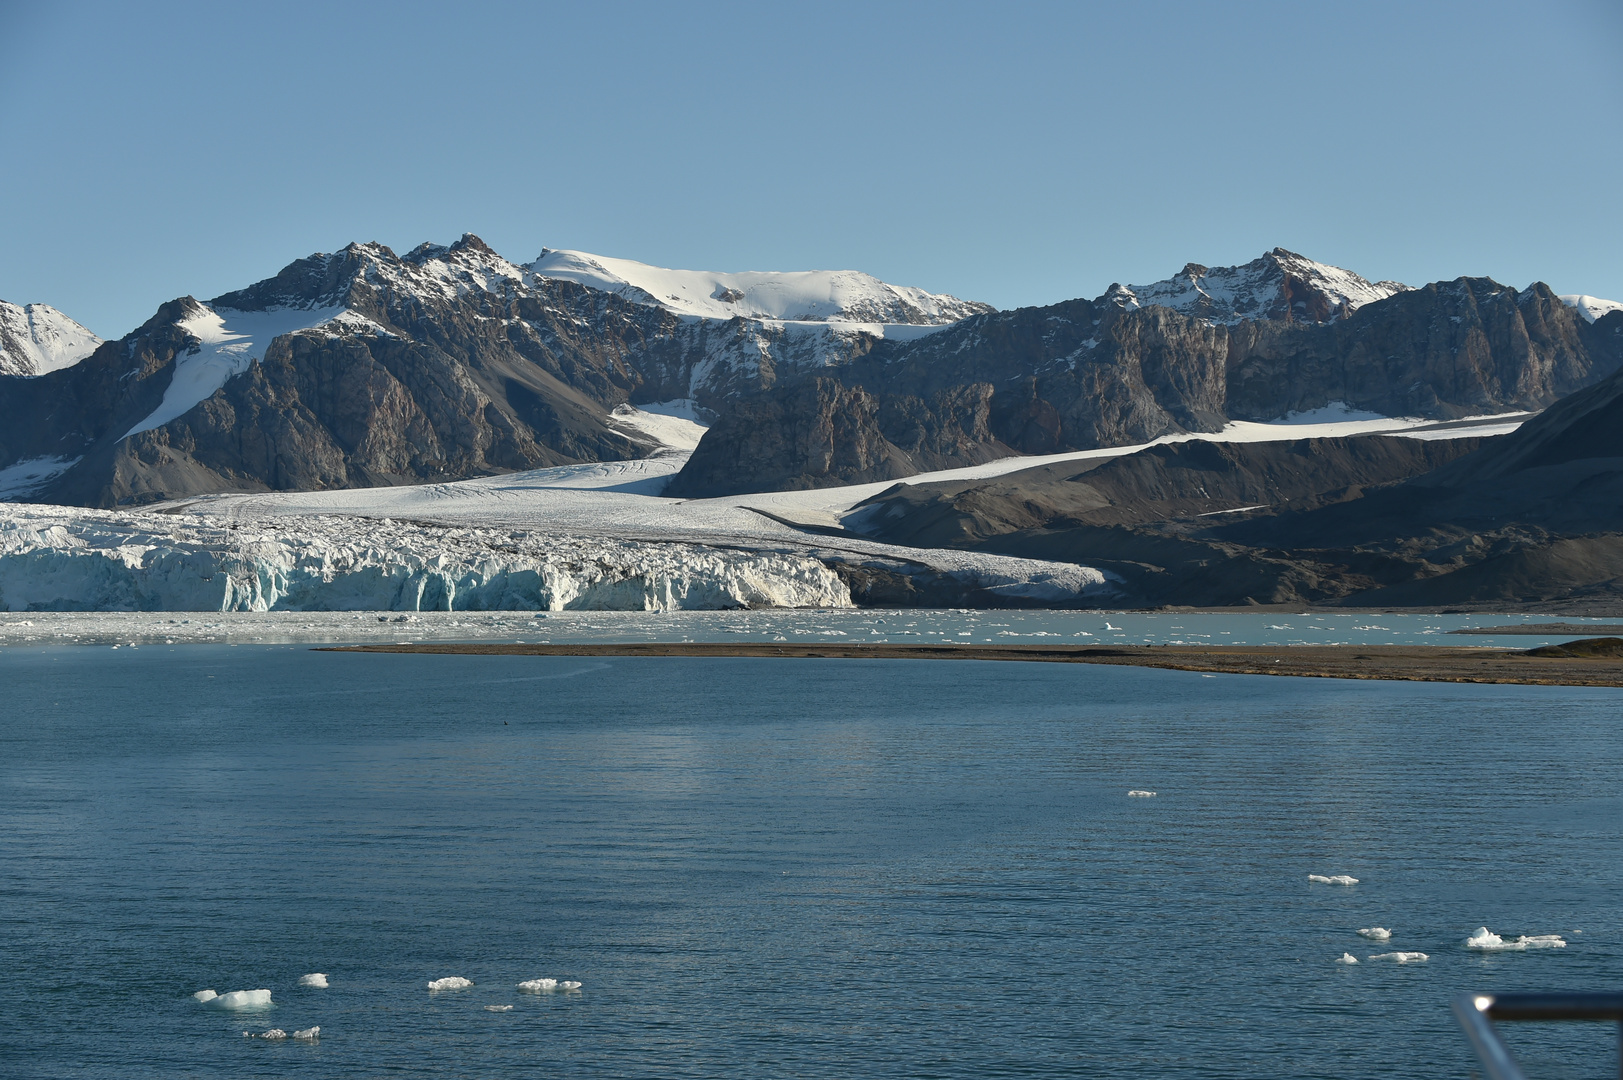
1015 153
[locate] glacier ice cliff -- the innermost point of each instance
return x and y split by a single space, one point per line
69 559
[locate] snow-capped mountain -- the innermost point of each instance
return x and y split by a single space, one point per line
364 368
1591 307
37 338
1280 285
808 296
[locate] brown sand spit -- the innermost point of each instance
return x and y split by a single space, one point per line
1582 664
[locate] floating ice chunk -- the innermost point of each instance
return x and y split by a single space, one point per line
205 995
1347 958
1543 941
452 982
1136 794
1376 933
1488 941
273 1033
1402 957
309 1034
498 1008
567 985
1333 879
538 986
239 999
316 979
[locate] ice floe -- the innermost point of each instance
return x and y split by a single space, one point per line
1376 933
566 984
316 979
1488 941
1137 794
1347 958
498 1008
1333 879
450 982
309 1034
537 986
236 1000
1402 957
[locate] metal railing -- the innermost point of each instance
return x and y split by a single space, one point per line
1477 1012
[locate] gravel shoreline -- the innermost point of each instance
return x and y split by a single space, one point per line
1388 662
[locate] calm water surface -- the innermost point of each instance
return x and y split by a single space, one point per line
785 868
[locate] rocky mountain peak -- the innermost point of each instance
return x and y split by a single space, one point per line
37 338
1279 285
470 242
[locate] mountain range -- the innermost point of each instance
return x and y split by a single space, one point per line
1278 335
365 368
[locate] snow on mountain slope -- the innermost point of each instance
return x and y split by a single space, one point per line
806 296
1591 307
1279 285
228 341
37 338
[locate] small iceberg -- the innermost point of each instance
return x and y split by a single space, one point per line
205 995
1402 957
538 986
309 1034
452 982
1136 794
1347 958
567 985
1488 941
316 979
1376 933
498 1008
236 1000
273 1033
1333 879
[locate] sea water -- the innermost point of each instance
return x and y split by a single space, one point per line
764 868
843 625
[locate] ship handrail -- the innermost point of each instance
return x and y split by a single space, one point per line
1477 1013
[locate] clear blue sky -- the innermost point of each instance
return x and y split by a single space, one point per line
1013 153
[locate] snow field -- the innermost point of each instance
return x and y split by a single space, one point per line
228 341
805 296
1591 307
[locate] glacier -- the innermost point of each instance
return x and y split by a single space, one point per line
69 559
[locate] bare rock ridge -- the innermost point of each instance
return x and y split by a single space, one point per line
1113 371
